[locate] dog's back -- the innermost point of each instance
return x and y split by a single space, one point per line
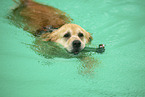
32 16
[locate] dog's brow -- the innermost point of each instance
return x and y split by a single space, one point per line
73 28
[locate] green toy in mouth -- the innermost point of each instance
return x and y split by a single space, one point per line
100 49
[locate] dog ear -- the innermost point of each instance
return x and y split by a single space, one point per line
50 37
45 37
89 37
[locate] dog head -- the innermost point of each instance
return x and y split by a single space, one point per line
70 36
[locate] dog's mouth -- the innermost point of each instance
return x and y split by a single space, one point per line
76 51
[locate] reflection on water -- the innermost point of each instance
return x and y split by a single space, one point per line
51 50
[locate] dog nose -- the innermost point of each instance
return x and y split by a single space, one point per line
76 43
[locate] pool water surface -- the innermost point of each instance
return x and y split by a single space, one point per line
119 72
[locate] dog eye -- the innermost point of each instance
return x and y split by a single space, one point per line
80 35
67 35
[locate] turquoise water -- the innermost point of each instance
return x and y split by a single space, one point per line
119 72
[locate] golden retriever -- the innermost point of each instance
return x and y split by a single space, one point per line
51 24
33 17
